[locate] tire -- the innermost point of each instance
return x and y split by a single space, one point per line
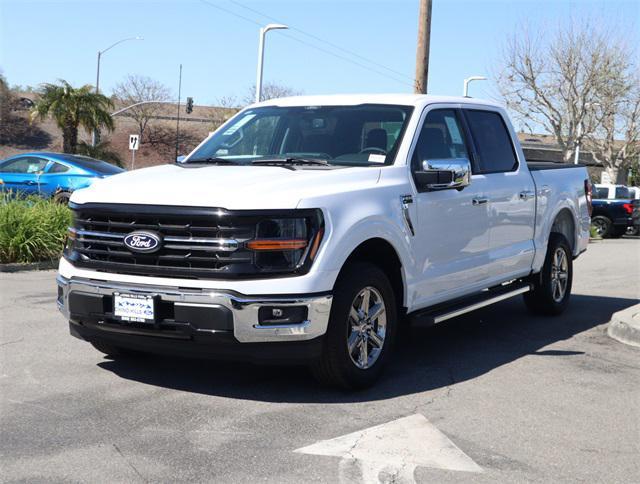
347 325
62 198
633 230
602 225
547 296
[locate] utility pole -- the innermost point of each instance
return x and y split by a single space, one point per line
178 118
422 51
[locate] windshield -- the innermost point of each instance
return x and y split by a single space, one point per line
363 135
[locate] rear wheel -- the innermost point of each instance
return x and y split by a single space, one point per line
602 226
62 198
361 331
552 287
633 230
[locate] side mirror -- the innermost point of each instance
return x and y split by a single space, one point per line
444 174
180 158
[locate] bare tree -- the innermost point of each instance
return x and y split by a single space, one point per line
615 141
556 80
135 89
270 90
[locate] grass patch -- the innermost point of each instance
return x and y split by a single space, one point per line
32 229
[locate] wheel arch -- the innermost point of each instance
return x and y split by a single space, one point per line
382 253
564 223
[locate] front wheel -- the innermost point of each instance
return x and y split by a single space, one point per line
552 287
361 331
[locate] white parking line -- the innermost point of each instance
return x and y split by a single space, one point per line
395 448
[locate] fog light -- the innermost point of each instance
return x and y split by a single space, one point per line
274 315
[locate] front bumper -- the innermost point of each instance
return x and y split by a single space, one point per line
195 322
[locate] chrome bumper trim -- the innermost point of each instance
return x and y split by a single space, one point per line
244 308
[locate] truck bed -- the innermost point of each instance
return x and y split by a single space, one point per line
537 165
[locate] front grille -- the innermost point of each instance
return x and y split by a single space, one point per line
196 242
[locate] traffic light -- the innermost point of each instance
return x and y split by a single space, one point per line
189 105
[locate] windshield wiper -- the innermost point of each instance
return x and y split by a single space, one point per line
213 160
291 161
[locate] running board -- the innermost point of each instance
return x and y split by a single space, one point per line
442 312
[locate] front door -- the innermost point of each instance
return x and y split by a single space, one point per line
452 227
22 175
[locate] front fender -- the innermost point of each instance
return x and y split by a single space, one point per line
353 218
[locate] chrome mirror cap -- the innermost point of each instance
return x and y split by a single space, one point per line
447 173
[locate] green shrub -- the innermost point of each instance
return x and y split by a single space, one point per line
32 229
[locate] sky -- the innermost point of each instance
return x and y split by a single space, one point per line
333 46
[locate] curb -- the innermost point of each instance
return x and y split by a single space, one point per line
625 326
33 266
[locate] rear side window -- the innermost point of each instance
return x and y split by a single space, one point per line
492 141
58 168
623 192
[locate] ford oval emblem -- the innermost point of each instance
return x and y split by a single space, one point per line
145 242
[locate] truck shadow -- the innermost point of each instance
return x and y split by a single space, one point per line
426 358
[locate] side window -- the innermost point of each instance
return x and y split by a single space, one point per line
441 137
58 168
600 193
24 165
492 141
623 192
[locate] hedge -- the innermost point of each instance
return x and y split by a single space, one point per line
32 229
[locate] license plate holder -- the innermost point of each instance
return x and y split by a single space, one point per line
134 308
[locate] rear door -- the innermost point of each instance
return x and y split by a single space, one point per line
452 227
510 192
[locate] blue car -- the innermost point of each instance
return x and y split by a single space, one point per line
51 175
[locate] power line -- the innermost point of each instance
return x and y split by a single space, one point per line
308 44
324 41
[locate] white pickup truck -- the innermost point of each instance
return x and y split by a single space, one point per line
308 229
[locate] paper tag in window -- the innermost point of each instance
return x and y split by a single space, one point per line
373 158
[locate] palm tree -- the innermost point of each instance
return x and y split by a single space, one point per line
73 108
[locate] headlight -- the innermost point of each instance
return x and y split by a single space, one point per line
287 243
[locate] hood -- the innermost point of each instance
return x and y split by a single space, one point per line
230 187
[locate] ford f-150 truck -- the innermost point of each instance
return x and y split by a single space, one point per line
307 229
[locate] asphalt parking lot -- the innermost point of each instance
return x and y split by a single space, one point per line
494 396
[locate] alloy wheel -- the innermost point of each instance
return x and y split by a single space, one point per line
367 327
559 274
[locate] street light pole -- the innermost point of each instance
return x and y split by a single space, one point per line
94 136
263 32
465 88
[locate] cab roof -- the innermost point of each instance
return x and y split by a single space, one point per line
356 99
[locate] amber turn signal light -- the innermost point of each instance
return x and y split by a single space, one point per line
276 244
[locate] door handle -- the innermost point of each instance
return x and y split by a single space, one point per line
526 195
31 182
479 201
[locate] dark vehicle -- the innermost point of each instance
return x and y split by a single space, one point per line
611 218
